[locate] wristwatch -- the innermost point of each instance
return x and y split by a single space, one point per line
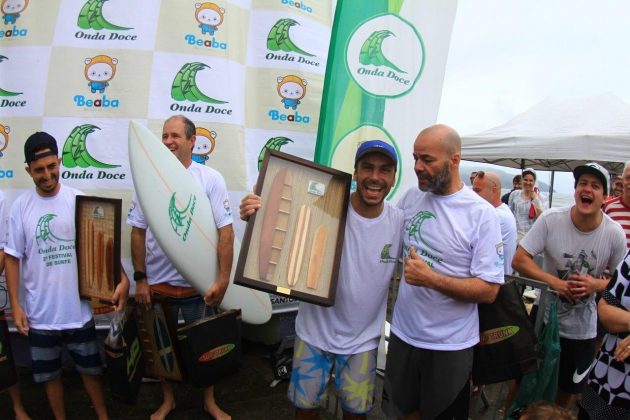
139 275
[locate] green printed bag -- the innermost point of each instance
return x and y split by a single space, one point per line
542 384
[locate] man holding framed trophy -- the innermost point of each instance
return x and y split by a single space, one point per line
346 335
42 237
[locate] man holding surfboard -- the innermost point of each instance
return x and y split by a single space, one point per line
154 273
42 238
346 335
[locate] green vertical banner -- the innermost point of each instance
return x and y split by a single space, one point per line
384 78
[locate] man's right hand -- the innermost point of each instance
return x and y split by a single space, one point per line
249 205
564 289
143 294
20 320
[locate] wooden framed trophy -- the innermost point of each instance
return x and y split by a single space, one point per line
292 245
158 341
98 246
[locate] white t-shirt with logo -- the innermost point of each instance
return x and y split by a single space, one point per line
158 267
565 250
42 235
508 233
353 324
458 235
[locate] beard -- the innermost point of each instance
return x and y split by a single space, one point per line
437 184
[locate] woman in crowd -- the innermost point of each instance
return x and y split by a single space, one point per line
526 203
607 395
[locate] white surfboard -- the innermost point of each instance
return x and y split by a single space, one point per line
180 217
255 305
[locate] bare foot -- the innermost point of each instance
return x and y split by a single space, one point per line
216 412
20 414
163 411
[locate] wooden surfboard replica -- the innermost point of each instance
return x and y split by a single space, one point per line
158 346
181 219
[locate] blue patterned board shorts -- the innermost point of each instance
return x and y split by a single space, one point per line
355 377
47 346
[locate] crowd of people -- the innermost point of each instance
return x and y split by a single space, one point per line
456 244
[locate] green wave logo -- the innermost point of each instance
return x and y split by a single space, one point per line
279 39
43 232
274 143
75 152
91 17
6 92
385 252
185 87
415 227
372 53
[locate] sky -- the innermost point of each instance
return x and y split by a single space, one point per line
506 56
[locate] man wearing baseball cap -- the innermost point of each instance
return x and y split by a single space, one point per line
346 335
42 237
578 243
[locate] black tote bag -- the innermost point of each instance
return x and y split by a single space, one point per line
211 348
508 347
125 362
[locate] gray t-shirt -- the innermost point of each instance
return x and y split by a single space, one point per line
566 250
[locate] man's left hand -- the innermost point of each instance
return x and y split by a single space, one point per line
581 286
214 295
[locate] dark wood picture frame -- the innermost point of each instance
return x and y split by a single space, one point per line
158 340
98 246
292 245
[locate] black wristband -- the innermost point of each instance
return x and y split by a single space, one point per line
139 275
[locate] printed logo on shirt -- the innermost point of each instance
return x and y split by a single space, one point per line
577 265
53 249
414 232
181 219
500 253
227 208
385 254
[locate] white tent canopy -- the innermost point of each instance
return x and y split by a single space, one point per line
557 135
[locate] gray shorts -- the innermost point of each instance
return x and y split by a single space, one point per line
47 346
428 381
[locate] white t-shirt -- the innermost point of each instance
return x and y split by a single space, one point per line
353 324
565 250
42 235
508 233
158 267
458 235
